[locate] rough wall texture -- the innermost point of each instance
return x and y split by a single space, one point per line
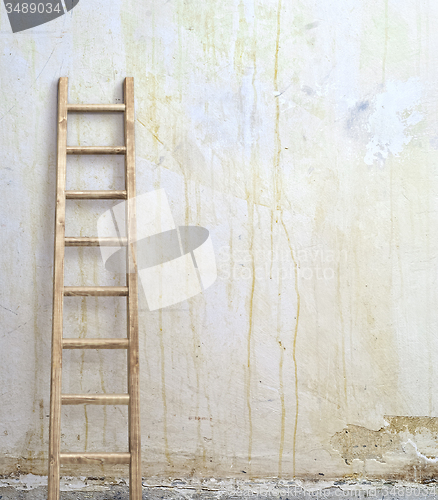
304 136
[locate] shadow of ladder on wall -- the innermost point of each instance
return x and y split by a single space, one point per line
57 399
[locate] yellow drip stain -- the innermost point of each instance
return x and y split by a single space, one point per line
154 135
180 62
186 196
163 389
196 364
283 412
101 364
86 427
209 31
277 150
249 339
341 316
231 261
251 209
207 396
419 37
41 454
239 48
272 239
277 154
385 47
37 339
274 219
294 349
82 333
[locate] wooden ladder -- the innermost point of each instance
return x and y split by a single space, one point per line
132 457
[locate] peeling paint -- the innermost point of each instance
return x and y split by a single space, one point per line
356 442
389 124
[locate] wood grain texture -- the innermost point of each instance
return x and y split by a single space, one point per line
58 295
95 344
96 150
95 195
95 399
132 301
95 291
95 242
99 108
95 458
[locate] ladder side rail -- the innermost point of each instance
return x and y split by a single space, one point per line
58 295
132 299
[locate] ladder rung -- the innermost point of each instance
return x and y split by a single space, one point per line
95 399
95 343
95 195
95 242
95 107
96 150
103 291
95 458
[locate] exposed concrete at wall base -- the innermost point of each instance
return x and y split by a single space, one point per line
33 488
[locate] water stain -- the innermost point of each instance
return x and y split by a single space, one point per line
276 206
241 41
281 383
101 360
341 318
385 47
163 389
277 148
196 357
419 51
249 336
294 348
83 333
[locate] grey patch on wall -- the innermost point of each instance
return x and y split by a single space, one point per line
357 120
310 26
307 90
356 442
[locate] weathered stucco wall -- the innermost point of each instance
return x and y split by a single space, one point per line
304 136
